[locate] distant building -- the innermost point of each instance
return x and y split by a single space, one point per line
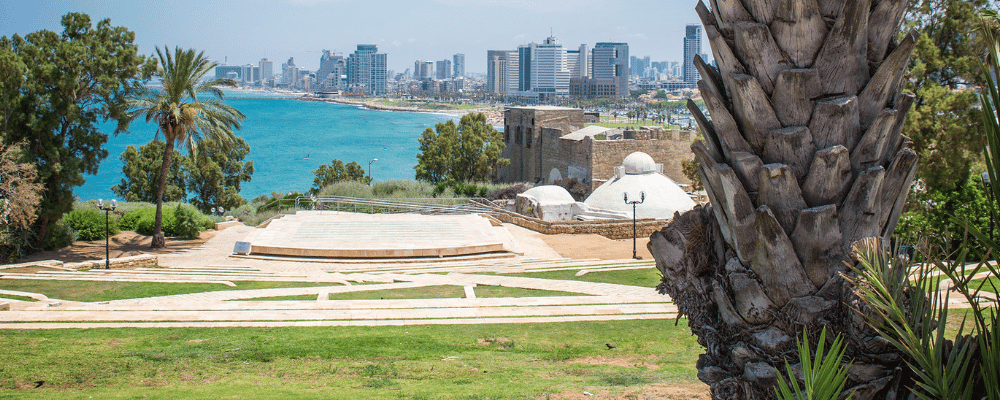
366 71
266 71
289 72
497 62
459 65
548 143
332 72
243 74
423 70
444 69
692 47
609 73
228 72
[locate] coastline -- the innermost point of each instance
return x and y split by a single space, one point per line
494 118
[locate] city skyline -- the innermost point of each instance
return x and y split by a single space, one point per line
406 31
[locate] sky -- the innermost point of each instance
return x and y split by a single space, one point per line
244 31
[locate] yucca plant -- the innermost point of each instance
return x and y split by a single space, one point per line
802 157
823 375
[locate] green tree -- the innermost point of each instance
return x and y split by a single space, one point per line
464 153
141 172
943 122
215 175
327 175
182 117
73 81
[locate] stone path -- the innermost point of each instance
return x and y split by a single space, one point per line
212 263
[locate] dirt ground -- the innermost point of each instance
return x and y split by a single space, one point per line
591 246
124 244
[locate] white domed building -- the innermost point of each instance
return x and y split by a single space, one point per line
640 174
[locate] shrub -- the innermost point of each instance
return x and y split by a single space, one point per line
187 224
60 235
509 192
89 224
402 189
130 221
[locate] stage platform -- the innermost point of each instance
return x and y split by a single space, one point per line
332 234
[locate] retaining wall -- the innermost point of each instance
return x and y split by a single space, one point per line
610 228
139 261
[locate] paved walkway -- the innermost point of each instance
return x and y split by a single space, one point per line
212 263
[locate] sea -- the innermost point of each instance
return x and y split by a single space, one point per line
289 138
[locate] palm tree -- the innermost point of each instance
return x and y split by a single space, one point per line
181 116
804 156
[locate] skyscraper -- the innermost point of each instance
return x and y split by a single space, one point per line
289 72
525 54
497 62
692 47
331 69
266 71
459 65
444 69
549 73
423 70
366 70
610 61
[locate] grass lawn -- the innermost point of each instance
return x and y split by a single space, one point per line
91 291
507 361
446 292
645 277
634 124
990 284
13 297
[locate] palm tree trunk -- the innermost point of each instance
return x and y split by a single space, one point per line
158 239
803 156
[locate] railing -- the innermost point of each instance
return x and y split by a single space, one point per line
473 205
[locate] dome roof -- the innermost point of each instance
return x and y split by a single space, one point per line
663 196
549 194
639 163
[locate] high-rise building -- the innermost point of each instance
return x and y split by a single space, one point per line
459 65
692 47
609 66
266 71
289 72
332 71
366 70
497 62
423 70
444 69
549 74
525 54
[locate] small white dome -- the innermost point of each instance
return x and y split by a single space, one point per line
549 194
639 163
663 196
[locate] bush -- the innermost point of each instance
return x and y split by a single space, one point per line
187 224
60 235
402 189
130 221
509 192
89 224
174 224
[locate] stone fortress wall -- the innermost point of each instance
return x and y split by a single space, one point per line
539 153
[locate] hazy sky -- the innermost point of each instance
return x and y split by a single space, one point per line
247 30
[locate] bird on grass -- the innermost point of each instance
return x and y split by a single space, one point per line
610 346
39 384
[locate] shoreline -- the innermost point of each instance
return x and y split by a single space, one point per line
494 118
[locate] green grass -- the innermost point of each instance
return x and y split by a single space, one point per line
13 297
990 284
282 298
93 291
447 292
634 124
506 361
645 277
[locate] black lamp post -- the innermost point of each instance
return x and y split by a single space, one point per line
107 229
370 169
642 198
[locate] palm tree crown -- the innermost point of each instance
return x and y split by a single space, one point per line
181 116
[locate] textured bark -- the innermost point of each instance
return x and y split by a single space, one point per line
804 157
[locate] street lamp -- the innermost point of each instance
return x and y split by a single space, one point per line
642 198
107 229
370 169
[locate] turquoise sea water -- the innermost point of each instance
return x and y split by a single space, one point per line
290 138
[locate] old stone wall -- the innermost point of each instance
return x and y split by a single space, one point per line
667 147
524 138
611 229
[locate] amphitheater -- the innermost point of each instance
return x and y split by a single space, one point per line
332 253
